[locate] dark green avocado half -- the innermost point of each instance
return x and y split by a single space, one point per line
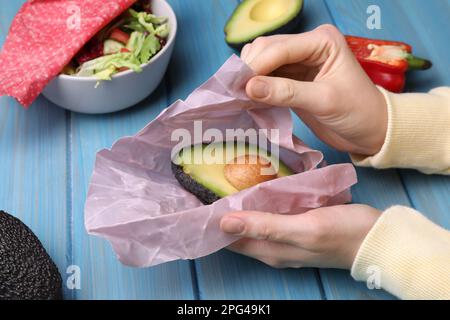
255 18
216 170
26 270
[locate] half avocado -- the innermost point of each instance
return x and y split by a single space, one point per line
255 18
216 170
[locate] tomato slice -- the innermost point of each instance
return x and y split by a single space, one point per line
123 69
120 36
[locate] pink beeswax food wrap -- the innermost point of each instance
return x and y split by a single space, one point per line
135 202
44 37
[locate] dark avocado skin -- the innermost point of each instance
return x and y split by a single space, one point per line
288 28
205 195
26 270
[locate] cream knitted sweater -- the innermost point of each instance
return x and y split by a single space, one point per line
409 253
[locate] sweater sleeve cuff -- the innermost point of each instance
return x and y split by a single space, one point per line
407 254
418 135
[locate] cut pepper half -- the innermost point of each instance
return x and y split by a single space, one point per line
386 62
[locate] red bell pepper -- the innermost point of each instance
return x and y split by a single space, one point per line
386 62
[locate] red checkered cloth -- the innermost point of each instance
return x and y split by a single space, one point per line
44 36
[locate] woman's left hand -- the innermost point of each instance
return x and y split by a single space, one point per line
328 237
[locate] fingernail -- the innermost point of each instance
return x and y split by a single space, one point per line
233 225
259 89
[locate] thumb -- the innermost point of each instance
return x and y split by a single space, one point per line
316 98
264 226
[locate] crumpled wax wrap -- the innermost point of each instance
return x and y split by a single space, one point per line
44 36
135 202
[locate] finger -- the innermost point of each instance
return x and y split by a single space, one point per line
314 97
261 43
245 51
265 226
274 254
305 47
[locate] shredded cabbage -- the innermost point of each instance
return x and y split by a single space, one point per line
144 43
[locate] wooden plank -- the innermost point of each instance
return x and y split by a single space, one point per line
226 275
40 134
33 165
200 51
103 277
400 21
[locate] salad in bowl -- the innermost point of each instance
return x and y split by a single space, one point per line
122 64
126 43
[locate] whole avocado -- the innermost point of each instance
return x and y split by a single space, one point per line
26 270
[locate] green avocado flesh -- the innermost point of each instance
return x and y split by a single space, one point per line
200 168
254 18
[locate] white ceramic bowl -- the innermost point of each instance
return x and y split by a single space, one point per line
125 89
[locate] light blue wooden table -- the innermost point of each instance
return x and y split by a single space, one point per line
47 156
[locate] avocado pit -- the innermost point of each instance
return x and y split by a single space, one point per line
247 171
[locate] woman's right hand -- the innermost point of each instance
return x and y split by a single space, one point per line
317 75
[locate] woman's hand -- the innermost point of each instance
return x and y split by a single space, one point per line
325 238
317 75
